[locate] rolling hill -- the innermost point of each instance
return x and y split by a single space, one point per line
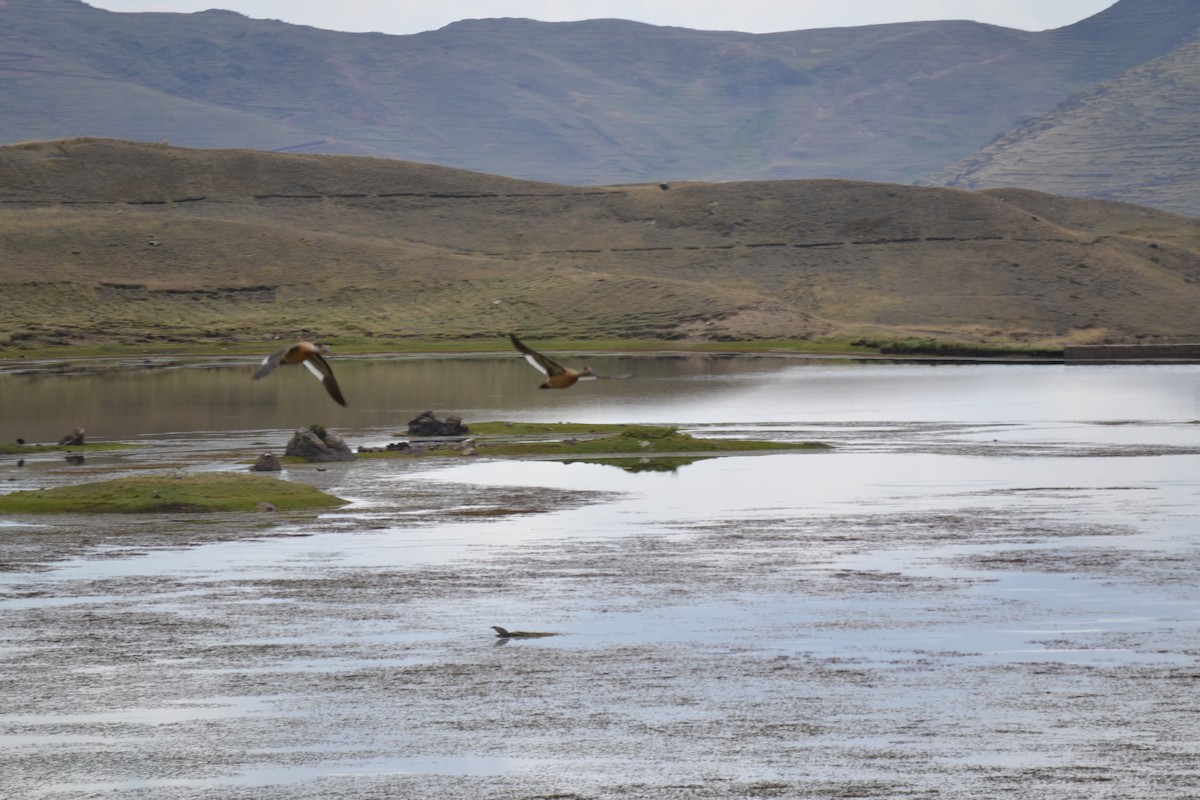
118 242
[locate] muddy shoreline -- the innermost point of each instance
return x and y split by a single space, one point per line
1020 631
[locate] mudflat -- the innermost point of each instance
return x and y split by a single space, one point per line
922 610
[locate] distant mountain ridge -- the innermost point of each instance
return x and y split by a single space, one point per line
603 101
1145 123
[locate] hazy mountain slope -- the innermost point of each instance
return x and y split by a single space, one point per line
117 241
1136 138
588 102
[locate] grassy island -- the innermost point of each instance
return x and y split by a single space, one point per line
571 440
169 492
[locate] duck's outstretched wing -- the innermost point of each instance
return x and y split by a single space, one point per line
547 366
319 367
271 362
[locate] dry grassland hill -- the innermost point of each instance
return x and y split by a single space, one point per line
111 241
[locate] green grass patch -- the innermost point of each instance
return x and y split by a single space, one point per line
642 439
91 447
166 493
511 439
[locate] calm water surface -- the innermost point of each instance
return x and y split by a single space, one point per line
1051 511
386 393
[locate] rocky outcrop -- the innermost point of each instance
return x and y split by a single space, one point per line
267 462
315 443
73 438
429 425
390 447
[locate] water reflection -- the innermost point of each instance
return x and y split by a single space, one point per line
642 464
690 390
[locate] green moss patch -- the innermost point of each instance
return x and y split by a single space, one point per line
91 447
208 491
542 428
570 439
642 439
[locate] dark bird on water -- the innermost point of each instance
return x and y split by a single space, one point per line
506 634
557 376
311 356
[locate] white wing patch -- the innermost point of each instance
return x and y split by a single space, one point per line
314 369
536 365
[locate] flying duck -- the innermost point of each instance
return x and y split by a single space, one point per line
310 355
557 376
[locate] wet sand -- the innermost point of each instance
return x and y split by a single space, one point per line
928 611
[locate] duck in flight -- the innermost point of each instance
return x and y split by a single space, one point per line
311 356
557 376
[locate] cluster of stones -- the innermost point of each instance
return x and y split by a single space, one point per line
390 447
315 443
426 424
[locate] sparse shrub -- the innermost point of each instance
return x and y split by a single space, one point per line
935 347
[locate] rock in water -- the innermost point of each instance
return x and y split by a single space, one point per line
267 462
318 445
429 425
73 438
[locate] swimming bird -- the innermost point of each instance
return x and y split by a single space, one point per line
505 634
310 355
557 376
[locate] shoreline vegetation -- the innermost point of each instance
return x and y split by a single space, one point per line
865 346
90 447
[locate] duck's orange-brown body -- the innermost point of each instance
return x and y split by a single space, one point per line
565 379
310 355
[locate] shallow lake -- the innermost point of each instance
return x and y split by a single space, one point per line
164 397
989 584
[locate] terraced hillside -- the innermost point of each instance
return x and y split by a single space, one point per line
110 242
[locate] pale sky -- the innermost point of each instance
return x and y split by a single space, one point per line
752 16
